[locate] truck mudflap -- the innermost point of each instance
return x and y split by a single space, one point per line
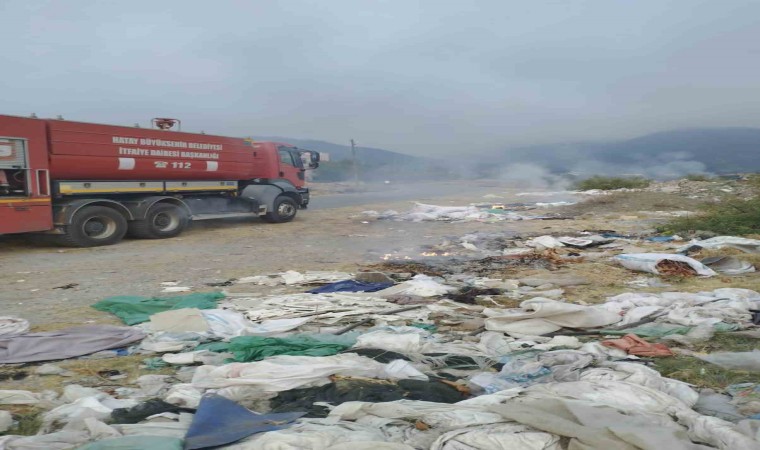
305 197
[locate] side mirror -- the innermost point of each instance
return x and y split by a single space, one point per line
312 157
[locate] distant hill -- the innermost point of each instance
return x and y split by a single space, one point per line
374 163
339 152
662 155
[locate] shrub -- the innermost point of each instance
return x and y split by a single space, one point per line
698 177
611 183
729 217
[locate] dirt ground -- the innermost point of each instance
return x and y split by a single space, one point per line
339 238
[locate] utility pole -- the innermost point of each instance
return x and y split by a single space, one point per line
355 165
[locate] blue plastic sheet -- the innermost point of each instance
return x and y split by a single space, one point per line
660 239
220 421
350 286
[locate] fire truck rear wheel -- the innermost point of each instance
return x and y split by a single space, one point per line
94 226
284 210
162 221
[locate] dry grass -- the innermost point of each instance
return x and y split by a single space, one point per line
703 374
631 202
86 371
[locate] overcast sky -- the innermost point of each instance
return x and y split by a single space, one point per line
421 77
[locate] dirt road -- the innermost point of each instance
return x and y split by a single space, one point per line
319 239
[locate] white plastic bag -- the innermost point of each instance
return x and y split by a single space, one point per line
544 242
10 326
647 262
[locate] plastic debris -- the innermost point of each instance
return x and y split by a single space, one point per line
744 244
657 263
220 421
634 345
351 286
10 326
544 242
729 265
66 343
6 421
749 361
542 315
133 310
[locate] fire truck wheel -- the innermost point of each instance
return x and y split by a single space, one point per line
162 221
92 226
284 210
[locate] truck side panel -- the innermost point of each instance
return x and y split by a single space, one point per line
83 151
31 210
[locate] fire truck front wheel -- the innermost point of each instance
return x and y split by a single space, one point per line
93 226
284 210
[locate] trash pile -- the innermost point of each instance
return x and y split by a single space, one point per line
394 361
472 213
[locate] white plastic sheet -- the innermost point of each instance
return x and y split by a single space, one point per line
407 340
19 397
727 305
6 421
424 213
291 277
544 242
421 285
539 316
282 373
744 244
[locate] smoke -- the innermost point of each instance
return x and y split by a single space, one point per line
666 166
531 176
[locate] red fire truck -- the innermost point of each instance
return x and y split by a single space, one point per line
91 184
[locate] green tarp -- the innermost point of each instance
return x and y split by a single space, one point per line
133 310
256 348
659 330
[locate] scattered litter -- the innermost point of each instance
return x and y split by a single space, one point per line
421 285
10 326
133 310
292 277
540 316
410 354
423 213
67 286
52 369
19 397
634 345
744 244
175 289
749 361
663 264
544 242
66 343
256 348
729 265
6 421
220 421
351 286
226 283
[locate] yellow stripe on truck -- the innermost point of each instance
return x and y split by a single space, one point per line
25 200
66 190
203 188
